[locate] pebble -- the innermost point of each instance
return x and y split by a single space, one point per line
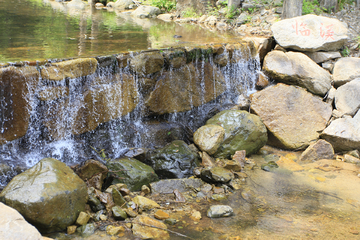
218 211
161 215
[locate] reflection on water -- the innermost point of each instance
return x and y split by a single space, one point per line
44 29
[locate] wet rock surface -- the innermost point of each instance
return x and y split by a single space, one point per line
49 195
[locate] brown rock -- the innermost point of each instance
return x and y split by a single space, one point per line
207 161
94 172
70 69
147 63
161 215
321 149
262 81
185 88
71 229
15 87
293 116
141 228
239 157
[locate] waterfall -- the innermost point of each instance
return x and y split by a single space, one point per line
124 103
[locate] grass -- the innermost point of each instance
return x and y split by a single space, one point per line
189 13
168 5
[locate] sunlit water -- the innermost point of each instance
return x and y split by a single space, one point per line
43 29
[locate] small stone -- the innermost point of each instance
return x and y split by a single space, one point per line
145 203
82 219
118 213
216 174
161 215
236 183
98 215
195 215
217 211
145 189
170 221
86 230
218 197
71 229
239 157
351 159
113 230
130 212
118 198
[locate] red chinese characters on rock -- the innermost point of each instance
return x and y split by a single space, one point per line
327 31
301 29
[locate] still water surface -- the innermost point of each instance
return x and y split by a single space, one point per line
43 29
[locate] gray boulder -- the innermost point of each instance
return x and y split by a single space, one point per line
176 160
209 137
320 57
13 226
297 69
122 4
49 195
310 33
217 211
243 131
345 70
146 12
347 97
343 133
293 116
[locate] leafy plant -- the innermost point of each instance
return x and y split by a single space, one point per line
231 12
101 154
345 52
168 5
189 13
311 6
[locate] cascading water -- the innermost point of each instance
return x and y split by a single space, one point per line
104 114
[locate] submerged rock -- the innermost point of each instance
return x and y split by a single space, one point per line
141 228
131 172
182 185
176 160
49 195
146 12
217 211
243 131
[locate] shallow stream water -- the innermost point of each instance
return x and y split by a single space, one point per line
43 29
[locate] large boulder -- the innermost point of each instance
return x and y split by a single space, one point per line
297 69
16 86
293 116
243 131
131 172
345 70
184 88
122 4
343 133
320 57
75 68
347 97
146 12
49 195
175 160
310 33
14 226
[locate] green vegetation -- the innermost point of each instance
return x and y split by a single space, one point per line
168 5
345 52
190 13
231 12
311 6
